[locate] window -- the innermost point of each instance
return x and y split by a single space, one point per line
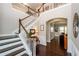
61 29
66 29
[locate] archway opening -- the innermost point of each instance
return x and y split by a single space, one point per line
56 35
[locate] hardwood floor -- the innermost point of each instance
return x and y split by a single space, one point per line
52 49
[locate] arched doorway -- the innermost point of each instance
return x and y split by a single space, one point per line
56 35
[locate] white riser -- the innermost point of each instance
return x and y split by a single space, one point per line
10 51
8 40
9 45
2 35
21 53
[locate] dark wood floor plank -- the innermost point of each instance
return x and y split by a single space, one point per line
52 49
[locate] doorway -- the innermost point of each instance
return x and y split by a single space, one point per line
56 36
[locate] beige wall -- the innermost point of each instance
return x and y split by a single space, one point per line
9 18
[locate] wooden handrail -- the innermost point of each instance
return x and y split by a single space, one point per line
30 8
41 6
21 25
25 18
33 10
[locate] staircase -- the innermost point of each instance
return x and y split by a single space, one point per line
16 45
12 45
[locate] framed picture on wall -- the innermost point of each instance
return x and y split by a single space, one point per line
41 27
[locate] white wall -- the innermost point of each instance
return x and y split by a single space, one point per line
9 18
63 11
75 8
73 43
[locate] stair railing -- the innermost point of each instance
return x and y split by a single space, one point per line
21 20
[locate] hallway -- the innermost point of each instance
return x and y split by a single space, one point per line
52 49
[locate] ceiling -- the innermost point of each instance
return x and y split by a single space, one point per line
34 5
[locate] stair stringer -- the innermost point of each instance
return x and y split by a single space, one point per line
25 39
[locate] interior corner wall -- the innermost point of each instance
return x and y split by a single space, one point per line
48 32
9 18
